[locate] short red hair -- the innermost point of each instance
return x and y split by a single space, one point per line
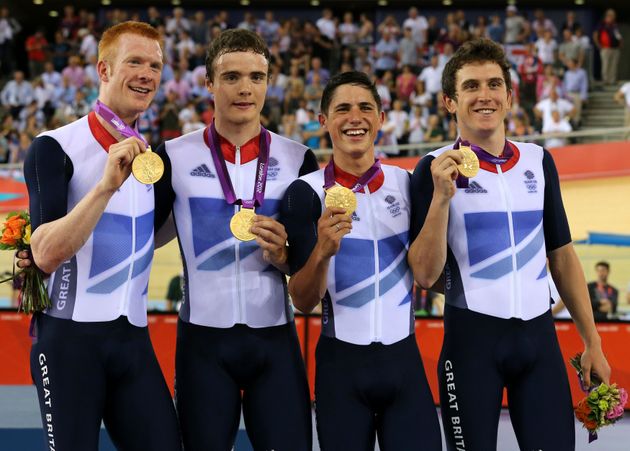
107 44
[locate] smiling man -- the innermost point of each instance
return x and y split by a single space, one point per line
487 245
92 358
370 380
236 332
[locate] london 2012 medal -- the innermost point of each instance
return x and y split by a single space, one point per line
470 163
240 224
338 196
147 167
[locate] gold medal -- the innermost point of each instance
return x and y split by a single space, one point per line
338 196
147 167
470 163
240 224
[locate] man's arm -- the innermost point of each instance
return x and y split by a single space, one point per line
54 242
427 253
313 240
568 275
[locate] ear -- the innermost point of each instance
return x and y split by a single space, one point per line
323 121
450 104
209 86
381 118
102 70
509 100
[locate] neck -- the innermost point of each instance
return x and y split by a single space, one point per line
355 165
237 134
110 128
493 144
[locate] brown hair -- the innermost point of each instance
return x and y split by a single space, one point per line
479 50
107 44
234 40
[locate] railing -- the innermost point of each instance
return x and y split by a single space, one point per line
576 137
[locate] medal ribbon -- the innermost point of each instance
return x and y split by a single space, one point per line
483 155
112 118
365 179
224 175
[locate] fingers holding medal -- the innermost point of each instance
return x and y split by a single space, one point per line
338 196
241 224
332 226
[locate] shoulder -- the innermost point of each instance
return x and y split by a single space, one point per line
185 140
286 143
64 135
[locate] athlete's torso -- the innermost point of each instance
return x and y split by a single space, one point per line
228 282
369 281
108 277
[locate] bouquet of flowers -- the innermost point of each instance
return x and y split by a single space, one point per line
16 236
603 405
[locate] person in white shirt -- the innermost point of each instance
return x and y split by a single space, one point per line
543 109
557 124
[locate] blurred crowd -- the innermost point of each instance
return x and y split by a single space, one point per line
552 67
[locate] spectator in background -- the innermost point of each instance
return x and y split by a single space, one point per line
17 93
50 76
348 31
417 125
326 24
556 124
390 26
622 96
313 92
199 30
608 40
434 133
570 49
74 72
570 22
496 30
405 84
541 24
178 22
174 293
60 51
366 31
575 86
170 127
432 77
408 51
316 68
311 131
516 27
269 28
248 22
529 70
554 102
9 28
89 45
36 46
604 297
386 52
546 47
418 25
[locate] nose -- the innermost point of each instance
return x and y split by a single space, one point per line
355 114
245 86
147 73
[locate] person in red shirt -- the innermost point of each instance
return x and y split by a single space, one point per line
36 46
608 39
604 297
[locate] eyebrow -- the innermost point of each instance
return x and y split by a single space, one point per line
349 105
472 81
235 72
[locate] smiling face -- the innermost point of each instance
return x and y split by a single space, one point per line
481 102
131 76
239 86
353 120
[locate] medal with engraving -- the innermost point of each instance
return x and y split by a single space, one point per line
147 167
469 167
341 197
241 223
338 196
243 219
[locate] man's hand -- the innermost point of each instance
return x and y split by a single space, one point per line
118 166
272 238
605 305
594 361
444 171
332 226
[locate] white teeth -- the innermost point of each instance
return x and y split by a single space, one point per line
140 90
485 111
355 132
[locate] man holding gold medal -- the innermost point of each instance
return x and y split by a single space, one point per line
92 358
348 228
236 340
485 222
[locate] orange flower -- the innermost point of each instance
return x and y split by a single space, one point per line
582 410
13 230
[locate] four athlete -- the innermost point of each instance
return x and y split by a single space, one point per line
236 343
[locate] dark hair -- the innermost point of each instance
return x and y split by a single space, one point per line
234 40
604 264
479 50
355 78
